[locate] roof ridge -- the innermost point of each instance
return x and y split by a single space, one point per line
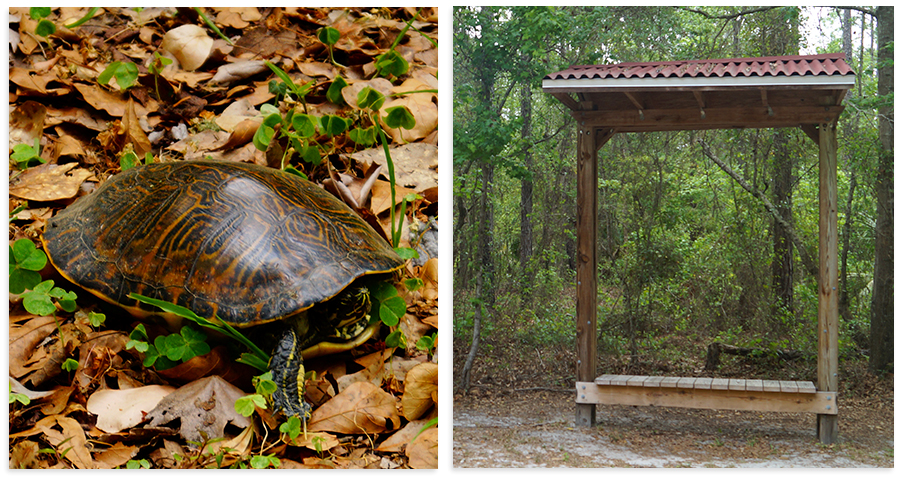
761 59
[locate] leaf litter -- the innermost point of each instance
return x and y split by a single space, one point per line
203 101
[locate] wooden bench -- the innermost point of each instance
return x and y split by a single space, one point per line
712 393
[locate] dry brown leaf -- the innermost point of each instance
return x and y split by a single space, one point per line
361 408
317 441
189 44
118 410
351 92
373 370
23 455
116 455
422 108
398 441
95 355
413 328
26 123
30 83
101 99
421 383
236 112
238 70
317 68
415 165
399 367
241 135
57 401
429 275
24 341
423 452
204 405
70 439
75 115
133 132
237 17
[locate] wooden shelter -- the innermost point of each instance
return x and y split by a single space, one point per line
783 91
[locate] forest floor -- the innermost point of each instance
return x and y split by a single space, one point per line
512 420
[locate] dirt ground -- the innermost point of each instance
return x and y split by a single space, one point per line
536 429
512 420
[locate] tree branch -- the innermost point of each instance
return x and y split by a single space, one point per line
860 9
728 16
811 267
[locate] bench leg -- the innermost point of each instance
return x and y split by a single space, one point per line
585 415
827 428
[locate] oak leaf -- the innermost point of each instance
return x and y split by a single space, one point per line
361 408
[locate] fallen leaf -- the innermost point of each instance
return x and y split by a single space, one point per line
243 134
26 123
118 410
16 387
24 341
238 70
317 441
373 370
189 44
133 132
116 455
237 17
205 405
415 165
421 383
361 408
70 440
49 182
57 401
397 441
23 455
413 328
423 451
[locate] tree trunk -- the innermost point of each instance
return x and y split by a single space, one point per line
526 233
783 261
881 352
844 292
483 278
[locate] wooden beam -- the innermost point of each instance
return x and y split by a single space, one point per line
634 97
769 401
716 118
698 95
812 131
567 100
828 275
586 267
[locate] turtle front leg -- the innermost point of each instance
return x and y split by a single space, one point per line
288 374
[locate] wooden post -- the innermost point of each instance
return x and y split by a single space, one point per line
586 269
828 276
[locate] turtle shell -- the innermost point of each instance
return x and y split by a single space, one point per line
246 243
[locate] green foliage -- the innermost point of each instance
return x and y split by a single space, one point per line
256 357
259 461
167 351
44 297
27 155
387 305
137 464
69 365
293 427
125 73
427 343
396 339
18 397
247 405
25 262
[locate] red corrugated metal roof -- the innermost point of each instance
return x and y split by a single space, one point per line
816 64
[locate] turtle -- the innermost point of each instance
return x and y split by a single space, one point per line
246 244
